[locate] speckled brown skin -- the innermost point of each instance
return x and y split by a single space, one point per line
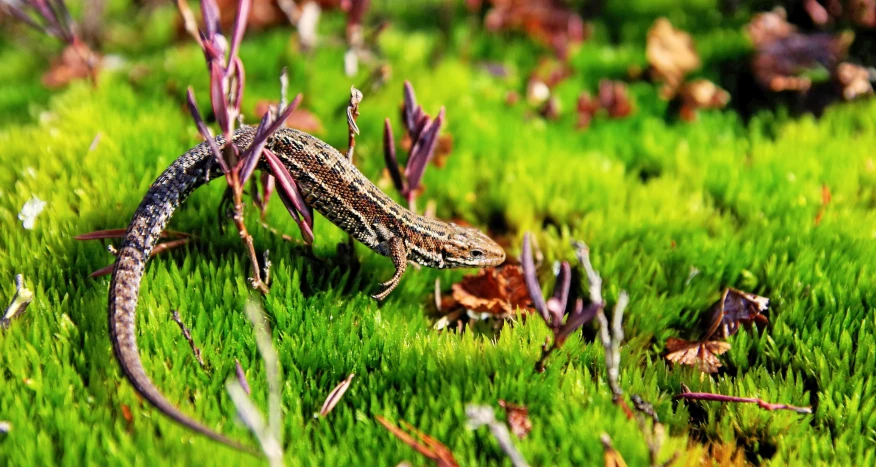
331 185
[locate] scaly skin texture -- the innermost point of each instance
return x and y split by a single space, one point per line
331 185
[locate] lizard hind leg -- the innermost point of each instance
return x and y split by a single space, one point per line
397 251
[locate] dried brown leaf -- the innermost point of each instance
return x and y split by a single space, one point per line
614 99
854 79
494 290
703 355
518 418
734 307
701 94
76 62
671 54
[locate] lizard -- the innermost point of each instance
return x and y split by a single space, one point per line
330 184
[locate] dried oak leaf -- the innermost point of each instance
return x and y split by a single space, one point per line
76 62
671 54
701 94
518 418
703 355
300 119
614 99
493 290
735 306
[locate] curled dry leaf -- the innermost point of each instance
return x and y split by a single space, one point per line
518 418
734 307
494 290
703 355
671 54
701 94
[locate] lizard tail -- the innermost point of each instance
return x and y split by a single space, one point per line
164 196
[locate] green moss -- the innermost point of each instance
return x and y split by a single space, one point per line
653 198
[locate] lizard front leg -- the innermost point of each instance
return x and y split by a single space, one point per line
395 248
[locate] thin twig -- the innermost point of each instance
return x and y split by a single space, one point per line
707 396
352 114
335 396
241 377
188 335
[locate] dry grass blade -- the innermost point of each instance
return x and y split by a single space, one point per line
335 396
22 298
427 446
187 333
160 248
241 377
612 457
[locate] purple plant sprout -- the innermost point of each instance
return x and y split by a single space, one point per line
553 310
51 17
227 78
423 131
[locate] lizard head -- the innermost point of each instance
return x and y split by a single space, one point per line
467 247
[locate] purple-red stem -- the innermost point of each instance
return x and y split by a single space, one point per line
707 396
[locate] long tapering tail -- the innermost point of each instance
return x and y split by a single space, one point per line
169 191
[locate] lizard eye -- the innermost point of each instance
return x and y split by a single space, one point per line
477 253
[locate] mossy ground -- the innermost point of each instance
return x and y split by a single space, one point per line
652 196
